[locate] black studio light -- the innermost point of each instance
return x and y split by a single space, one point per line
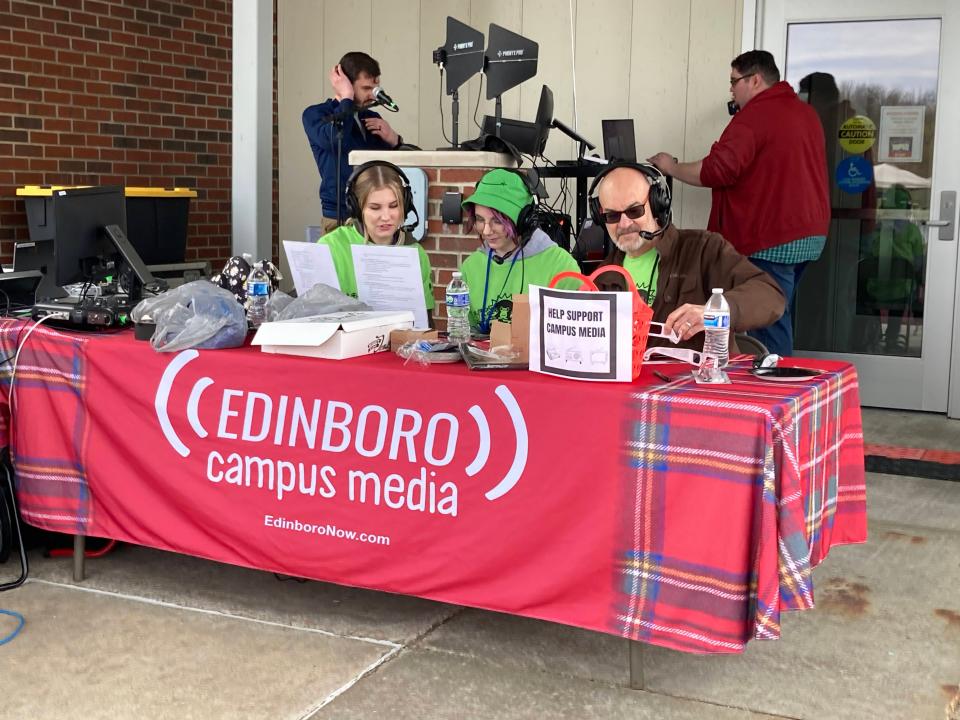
461 56
511 60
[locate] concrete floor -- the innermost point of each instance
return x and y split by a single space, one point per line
156 635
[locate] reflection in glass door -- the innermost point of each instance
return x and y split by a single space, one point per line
874 86
886 82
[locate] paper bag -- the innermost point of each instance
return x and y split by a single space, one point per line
516 333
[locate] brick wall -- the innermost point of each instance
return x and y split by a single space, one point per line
132 92
446 245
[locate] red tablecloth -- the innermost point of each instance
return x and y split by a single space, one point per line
676 514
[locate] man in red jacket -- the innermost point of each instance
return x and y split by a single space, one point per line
768 174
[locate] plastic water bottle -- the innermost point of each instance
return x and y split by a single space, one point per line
458 310
258 294
716 341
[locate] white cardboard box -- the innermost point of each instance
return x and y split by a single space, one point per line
334 335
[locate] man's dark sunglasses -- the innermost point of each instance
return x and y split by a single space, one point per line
612 217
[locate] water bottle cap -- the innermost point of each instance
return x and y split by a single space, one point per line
457 274
718 290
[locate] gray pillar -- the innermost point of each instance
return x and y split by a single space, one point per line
252 173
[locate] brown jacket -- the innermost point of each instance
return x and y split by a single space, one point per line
692 263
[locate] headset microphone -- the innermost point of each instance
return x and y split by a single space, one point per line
385 100
647 235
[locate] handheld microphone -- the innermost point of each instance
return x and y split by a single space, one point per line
732 107
385 100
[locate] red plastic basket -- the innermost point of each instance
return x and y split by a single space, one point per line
642 313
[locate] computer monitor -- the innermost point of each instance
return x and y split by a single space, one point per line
18 290
527 137
81 246
544 119
38 256
619 142
91 241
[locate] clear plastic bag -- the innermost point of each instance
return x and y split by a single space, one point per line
276 304
195 315
426 352
320 300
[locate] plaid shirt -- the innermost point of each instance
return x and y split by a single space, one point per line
803 250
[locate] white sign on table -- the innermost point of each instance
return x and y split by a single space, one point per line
310 263
389 278
579 335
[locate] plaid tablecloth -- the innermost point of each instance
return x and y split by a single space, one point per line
50 385
782 459
680 515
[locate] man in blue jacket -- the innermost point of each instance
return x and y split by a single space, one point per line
354 80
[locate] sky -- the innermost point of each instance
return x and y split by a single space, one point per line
902 54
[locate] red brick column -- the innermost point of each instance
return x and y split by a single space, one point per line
447 245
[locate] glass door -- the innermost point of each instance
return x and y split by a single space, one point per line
885 86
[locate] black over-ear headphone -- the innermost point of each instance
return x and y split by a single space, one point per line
528 219
658 200
354 209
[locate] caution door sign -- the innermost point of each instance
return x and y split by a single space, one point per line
857 134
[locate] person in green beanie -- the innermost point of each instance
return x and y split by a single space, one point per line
375 197
510 258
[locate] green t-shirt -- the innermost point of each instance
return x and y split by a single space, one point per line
508 278
340 241
645 271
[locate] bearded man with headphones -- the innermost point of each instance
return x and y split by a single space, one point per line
378 200
675 270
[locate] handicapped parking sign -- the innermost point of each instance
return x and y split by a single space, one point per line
854 174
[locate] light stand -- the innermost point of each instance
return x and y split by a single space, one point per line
462 57
510 59
337 119
455 130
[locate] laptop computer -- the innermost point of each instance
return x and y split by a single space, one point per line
619 142
18 290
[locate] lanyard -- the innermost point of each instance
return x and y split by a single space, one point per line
486 316
650 287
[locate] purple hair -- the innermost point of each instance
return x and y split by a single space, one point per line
509 229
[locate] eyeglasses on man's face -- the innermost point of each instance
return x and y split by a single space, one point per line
735 80
612 217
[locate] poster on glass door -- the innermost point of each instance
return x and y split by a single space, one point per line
901 133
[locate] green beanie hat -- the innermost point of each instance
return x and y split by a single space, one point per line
501 190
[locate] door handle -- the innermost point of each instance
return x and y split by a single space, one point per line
948 206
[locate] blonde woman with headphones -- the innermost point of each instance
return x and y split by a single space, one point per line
378 199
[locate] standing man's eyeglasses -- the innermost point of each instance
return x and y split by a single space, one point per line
735 80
